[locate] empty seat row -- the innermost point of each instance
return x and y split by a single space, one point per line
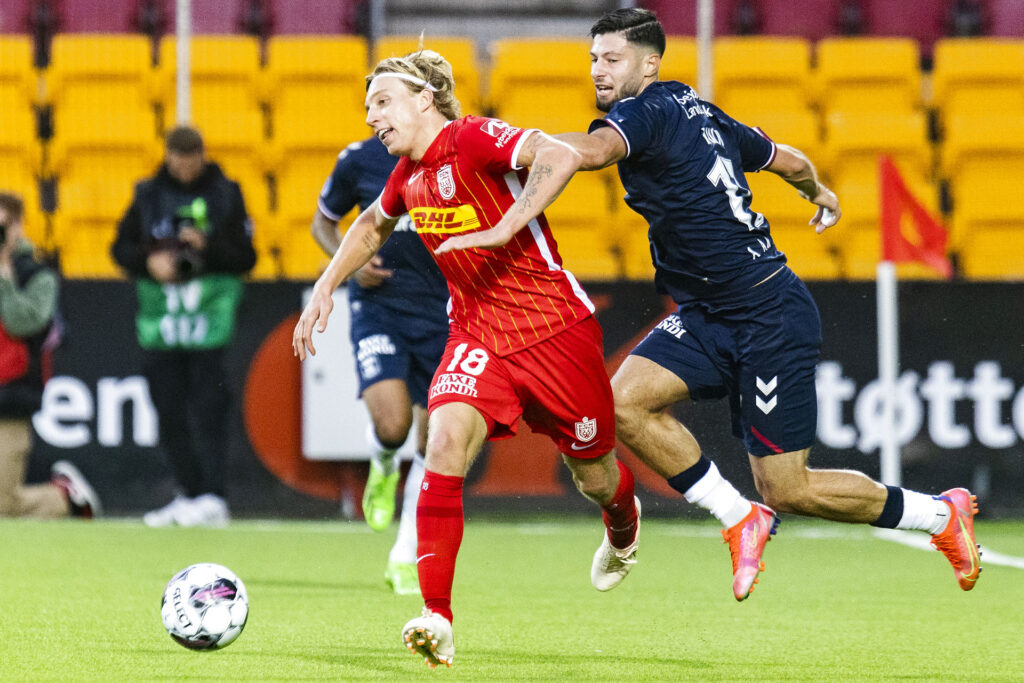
925 21
156 17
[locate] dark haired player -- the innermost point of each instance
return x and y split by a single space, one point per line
746 327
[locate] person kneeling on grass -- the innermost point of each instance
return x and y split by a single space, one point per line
28 302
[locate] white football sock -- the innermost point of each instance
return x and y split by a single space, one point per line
923 512
404 549
386 458
713 493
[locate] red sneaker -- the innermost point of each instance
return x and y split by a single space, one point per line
956 541
746 543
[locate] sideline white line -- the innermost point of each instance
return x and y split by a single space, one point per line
920 541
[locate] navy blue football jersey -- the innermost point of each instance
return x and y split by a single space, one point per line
683 172
417 286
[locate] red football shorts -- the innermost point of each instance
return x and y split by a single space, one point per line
558 386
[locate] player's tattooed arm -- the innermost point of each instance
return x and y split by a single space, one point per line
552 163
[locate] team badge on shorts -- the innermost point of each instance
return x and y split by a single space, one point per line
586 429
445 181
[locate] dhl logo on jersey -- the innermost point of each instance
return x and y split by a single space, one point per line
445 221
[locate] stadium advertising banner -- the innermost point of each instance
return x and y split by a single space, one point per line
960 418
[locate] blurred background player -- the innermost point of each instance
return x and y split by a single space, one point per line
399 325
187 240
28 331
523 340
746 326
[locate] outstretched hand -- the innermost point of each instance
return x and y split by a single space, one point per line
314 315
484 239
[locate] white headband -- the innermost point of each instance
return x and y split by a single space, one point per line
405 77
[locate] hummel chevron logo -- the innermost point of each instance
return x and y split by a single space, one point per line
766 388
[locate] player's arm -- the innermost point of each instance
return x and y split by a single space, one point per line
552 163
795 168
360 243
599 149
325 233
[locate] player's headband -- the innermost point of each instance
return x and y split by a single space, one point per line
405 77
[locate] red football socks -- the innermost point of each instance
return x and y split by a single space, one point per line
439 526
620 516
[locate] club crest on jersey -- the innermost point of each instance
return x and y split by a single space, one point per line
586 429
445 181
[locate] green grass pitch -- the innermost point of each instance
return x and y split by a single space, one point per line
80 602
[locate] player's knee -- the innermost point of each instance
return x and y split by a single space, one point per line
595 489
8 505
791 499
447 453
392 434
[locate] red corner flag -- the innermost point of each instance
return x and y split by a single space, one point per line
909 232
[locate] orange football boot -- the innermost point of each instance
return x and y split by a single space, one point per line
746 544
956 541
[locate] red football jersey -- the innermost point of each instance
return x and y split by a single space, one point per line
511 297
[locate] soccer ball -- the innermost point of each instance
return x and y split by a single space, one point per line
205 607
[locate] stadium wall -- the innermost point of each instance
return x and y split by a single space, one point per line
961 416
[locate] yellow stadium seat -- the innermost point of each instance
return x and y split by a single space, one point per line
91 73
460 53
21 164
679 63
543 83
984 161
302 162
808 254
225 73
864 75
301 258
587 253
18 79
237 145
990 148
974 75
581 222
797 128
86 223
994 252
264 240
853 143
317 85
756 75
629 236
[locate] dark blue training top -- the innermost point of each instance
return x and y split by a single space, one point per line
683 172
417 286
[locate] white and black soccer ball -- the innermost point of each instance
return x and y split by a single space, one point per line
205 607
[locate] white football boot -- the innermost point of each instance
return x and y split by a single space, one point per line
430 635
208 509
611 565
165 515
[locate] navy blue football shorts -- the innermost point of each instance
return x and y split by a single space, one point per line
762 357
389 345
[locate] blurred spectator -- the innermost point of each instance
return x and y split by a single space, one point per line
28 304
187 240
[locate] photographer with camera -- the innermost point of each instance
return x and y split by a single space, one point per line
28 304
187 241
